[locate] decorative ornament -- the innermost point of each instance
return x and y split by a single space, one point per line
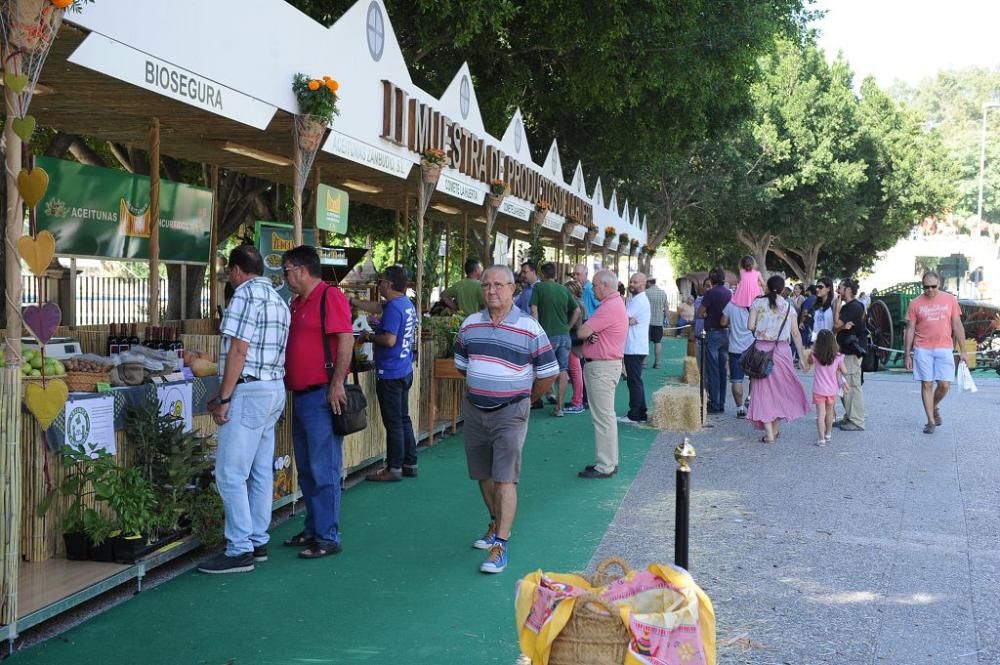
32 185
38 251
16 83
46 401
42 320
24 127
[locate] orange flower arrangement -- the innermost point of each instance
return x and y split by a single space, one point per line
610 231
435 156
316 97
498 187
542 205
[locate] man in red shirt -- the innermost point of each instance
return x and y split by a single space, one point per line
934 323
317 393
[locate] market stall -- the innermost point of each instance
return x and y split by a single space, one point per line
392 145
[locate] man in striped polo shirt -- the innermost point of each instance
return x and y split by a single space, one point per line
508 363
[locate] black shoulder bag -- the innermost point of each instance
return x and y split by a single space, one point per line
353 415
758 363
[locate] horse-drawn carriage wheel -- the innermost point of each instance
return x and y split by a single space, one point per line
879 323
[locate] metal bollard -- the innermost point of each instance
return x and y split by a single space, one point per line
684 454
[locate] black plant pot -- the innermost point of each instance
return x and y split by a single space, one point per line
77 545
102 552
127 550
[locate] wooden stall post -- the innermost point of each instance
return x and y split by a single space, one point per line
395 239
154 221
10 390
213 243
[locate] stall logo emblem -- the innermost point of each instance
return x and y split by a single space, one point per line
136 220
56 207
78 426
332 204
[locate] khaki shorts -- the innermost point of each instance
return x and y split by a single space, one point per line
494 439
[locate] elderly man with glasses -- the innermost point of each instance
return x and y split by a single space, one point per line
934 324
507 362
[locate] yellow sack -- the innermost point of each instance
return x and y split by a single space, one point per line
670 619
543 605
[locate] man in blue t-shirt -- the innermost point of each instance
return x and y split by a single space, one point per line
393 342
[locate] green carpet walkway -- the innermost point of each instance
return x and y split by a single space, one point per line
407 587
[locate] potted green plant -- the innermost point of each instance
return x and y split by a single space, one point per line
86 473
134 503
171 461
204 510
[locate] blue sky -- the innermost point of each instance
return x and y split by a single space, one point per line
910 40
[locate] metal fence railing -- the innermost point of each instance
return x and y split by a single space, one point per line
102 300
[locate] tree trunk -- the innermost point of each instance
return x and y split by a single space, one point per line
758 247
195 283
803 262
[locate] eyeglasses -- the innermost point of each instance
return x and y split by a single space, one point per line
286 270
930 287
495 286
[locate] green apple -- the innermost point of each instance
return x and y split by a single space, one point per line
26 369
60 368
36 372
36 362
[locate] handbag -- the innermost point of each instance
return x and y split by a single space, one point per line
758 363
353 416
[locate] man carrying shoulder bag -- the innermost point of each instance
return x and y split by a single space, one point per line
320 328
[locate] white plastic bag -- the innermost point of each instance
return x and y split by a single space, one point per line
964 379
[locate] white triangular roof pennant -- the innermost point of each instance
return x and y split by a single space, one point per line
461 96
515 139
598 195
552 168
578 185
625 216
613 203
635 218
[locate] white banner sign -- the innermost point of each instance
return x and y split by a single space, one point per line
514 209
460 190
176 399
500 250
125 63
368 155
91 422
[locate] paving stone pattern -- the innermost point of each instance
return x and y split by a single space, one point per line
882 547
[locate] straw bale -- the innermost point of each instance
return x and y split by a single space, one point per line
691 376
676 408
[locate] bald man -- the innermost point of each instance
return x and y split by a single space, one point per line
636 349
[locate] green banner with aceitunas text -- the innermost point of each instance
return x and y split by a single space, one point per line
104 213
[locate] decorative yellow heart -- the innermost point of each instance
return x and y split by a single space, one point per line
23 127
47 402
37 252
16 83
32 185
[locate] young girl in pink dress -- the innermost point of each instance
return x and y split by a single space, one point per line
829 364
751 283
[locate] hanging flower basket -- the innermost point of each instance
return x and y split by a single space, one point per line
494 201
608 240
591 234
538 217
623 246
311 130
568 227
431 162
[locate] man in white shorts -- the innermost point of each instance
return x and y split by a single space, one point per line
934 324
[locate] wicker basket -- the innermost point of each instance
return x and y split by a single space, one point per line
594 634
86 382
38 379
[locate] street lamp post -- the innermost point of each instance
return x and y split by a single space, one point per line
982 161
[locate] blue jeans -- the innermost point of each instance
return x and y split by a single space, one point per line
716 357
319 460
244 463
394 403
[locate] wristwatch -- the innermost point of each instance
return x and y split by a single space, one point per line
225 400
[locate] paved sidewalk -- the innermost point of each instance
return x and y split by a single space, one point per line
882 547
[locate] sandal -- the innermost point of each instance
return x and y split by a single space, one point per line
317 551
764 439
300 540
937 417
929 428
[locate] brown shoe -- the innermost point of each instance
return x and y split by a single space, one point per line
409 471
386 475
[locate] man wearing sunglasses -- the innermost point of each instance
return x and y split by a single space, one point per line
934 324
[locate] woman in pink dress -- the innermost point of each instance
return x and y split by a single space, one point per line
751 284
779 396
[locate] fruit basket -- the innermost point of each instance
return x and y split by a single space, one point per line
36 367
